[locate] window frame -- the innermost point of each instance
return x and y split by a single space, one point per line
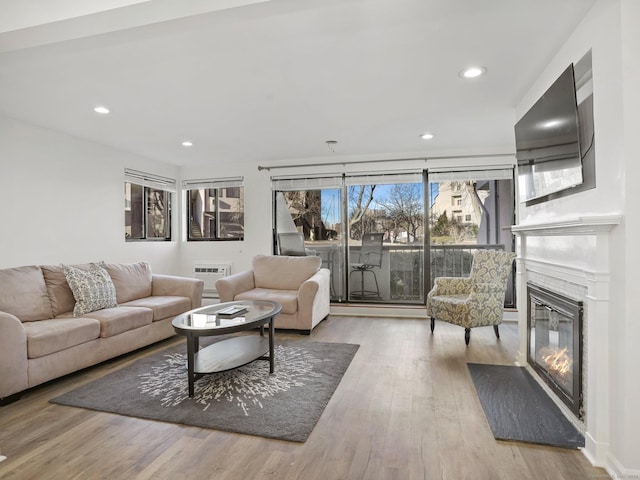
216 189
150 184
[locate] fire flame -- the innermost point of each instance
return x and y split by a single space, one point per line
558 362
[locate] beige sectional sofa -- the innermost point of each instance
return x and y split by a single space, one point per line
297 283
41 339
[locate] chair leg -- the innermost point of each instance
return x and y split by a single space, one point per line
467 335
375 279
433 324
495 329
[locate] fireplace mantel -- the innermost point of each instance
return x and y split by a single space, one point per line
587 225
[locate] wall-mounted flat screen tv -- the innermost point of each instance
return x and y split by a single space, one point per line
548 142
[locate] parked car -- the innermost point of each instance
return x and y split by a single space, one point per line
232 230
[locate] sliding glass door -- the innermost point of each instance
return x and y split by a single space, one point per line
468 211
312 207
385 225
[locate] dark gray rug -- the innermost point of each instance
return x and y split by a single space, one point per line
518 409
285 405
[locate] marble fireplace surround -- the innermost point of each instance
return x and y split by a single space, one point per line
572 257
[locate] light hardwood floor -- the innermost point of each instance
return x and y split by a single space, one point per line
405 409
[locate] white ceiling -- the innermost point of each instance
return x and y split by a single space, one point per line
273 80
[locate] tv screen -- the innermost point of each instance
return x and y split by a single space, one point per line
548 142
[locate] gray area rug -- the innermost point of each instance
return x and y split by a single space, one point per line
518 409
285 405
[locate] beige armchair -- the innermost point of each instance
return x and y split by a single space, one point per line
299 284
476 300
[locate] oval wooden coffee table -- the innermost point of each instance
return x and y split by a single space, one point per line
233 352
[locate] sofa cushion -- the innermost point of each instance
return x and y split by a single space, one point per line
162 307
23 293
60 294
92 288
132 281
114 321
283 273
287 298
45 337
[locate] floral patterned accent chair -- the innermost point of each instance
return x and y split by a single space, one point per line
476 300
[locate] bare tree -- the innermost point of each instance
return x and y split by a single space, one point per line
360 198
404 206
304 207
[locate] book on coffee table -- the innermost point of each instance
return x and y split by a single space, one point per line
232 311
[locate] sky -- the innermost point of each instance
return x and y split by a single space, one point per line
330 201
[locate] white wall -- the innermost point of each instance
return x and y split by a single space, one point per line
62 201
610 31
626 430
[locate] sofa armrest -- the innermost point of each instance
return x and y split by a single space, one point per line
13 355
229 287
314 299
170 285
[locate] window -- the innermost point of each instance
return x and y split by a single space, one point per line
147 206
232 192
432 222
215 209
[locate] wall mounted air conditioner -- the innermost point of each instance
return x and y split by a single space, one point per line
209 273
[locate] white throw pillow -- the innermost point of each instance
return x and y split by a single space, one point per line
92 288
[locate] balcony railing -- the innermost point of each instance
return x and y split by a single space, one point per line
401 277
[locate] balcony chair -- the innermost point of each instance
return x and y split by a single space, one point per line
476 300
370 257
291 244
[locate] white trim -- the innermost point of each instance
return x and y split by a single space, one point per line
149 180
462 174
205 183
395 311
617 470
380 178
286 183
591 225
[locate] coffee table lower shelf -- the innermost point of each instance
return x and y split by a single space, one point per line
231 353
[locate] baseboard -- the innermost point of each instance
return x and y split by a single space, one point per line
616 470
595 452
395 311
381 310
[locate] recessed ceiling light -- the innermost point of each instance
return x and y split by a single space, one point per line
426 136
473 72
187 143
101 110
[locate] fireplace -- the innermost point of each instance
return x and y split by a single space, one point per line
554 343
